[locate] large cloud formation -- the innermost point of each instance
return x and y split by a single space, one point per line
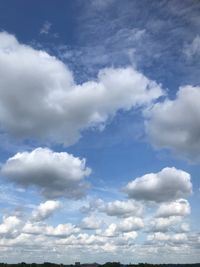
39 98
175 124
166 185
55 174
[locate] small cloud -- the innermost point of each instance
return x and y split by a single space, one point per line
46 27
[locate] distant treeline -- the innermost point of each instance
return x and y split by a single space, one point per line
107 264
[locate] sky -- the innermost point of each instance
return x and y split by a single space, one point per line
99 131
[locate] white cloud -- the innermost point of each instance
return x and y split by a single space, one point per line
175 124
48 105
60 231
130 235
175 238
179 238
180 207
167 185
131 224
120 208
45 209
127 225
164 224
111 231
56 174
185 227
90 223
158 236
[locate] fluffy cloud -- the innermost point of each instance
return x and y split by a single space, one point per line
175 124
47 104
164 224
10 226
180 207
56 174
128 225
119 208
130 235
61 230
90 223
185 227
111 231
46 209
175 238
131 224
166 185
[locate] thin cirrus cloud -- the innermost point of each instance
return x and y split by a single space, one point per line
56 175
56 108
174 124
167 185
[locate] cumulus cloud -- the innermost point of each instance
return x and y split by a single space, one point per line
127 225
55 174
90 223
180 207
167 185
47 104
45 210
131 224
61 230
164 224
10 226
118 208
130 235
175 124
111 231
185 227
176 238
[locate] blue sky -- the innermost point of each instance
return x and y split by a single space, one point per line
100 131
